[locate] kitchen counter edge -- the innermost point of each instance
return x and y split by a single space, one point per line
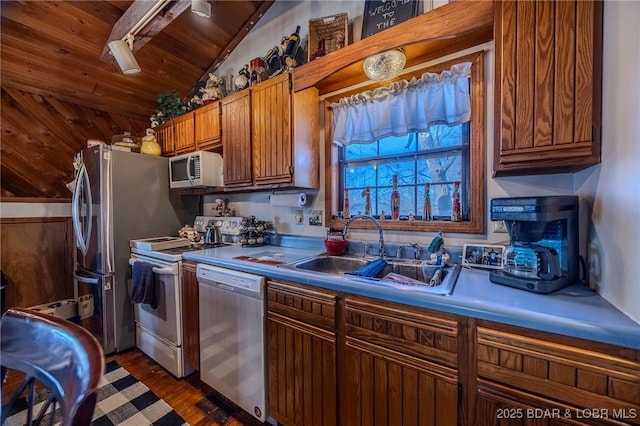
575 311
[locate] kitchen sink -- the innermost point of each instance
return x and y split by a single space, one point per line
335 265
398 273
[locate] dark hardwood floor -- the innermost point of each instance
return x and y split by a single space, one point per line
181 394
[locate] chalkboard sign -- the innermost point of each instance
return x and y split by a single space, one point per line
381 14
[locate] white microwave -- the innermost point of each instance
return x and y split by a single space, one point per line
199 168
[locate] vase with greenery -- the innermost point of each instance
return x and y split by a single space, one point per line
170 106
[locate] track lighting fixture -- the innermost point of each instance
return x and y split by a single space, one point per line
122 50
201 8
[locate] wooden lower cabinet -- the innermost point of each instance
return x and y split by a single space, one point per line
526 377
339 359
400 365
301 355
190 316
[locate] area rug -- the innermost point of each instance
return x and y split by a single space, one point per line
122 400
223 412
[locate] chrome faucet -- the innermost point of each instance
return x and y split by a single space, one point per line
375 221
417 250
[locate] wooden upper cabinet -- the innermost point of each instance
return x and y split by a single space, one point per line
548 86
271 131
184 132
285 134
165 137
207 127
236 139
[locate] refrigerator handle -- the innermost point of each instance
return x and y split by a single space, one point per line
82 185
89 278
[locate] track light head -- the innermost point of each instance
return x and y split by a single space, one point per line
201 8
122 50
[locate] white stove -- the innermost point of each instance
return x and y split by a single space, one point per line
170 249
159 243
159 330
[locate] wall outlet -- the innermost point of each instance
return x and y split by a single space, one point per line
499 227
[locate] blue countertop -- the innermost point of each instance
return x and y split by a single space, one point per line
574 311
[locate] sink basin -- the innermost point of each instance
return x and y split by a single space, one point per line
399 273
335 265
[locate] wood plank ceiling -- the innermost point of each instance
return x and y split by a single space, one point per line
56 93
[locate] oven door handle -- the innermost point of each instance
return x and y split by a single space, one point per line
170 270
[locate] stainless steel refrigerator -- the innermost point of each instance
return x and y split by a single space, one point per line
118 196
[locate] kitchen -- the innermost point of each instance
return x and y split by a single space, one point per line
608 187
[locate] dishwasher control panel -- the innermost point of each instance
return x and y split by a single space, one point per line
213 275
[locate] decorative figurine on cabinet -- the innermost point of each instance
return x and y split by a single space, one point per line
212 90
242 80
150 144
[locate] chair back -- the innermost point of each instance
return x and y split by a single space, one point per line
60 355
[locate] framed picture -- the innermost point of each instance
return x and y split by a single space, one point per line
482 256
382 14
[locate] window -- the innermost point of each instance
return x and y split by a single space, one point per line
440 157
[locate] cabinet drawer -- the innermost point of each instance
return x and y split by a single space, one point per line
418 332
587 375
314 307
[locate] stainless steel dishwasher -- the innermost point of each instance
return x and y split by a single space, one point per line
232 336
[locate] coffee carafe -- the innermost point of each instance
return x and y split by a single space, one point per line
543 253
532 261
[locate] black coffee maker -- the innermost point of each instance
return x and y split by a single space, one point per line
543 255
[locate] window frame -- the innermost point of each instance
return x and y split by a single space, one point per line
477 168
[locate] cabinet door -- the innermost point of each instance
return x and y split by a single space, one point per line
165 137
548 86
581 374
207 127
386 387
400 365
499 405
302 355
184 133
271 131
236 139
190 318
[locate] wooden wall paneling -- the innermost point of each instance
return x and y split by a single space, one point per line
41 135
37 260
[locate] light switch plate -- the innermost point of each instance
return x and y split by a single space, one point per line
499 227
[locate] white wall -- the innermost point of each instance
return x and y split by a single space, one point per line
611 189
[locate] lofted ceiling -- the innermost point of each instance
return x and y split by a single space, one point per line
57 92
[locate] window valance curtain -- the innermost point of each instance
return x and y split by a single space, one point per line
404 107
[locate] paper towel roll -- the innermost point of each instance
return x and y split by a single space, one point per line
288 200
